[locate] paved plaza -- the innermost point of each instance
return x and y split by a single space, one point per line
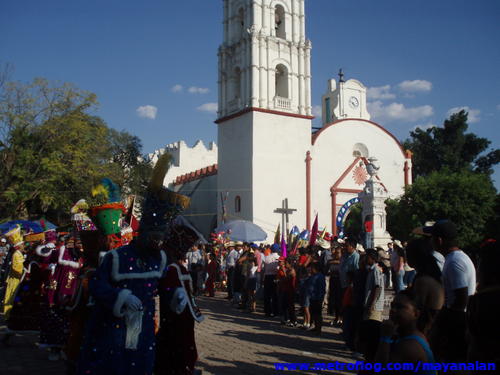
229 342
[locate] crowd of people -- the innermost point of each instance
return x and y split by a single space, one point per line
444 307
438 310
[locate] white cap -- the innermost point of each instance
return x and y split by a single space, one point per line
3 240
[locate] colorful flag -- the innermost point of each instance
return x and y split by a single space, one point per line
283 246
314 232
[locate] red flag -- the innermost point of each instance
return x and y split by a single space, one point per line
314 232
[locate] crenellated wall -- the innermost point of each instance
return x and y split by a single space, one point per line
186 159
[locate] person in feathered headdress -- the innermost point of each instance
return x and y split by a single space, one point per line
16 270
119 335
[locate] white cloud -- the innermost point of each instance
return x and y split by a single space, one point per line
398 112
474 114
147 111
208 107
416 85
424 126
198 90
177 88
317 111
380 92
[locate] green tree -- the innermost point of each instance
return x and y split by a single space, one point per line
450 148
136 169
400 220
53 150
465 197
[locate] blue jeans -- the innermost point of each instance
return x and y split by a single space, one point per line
397 280
408 277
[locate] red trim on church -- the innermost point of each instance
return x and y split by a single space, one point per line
308 189
263 110
197 175
318 133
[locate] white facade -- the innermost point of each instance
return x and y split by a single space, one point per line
261 160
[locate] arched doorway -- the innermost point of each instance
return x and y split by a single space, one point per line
342 215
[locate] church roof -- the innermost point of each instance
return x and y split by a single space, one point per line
197 175
315 135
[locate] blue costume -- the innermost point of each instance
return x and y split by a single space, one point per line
119 340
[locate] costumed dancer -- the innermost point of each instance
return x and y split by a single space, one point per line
15 274
119 337
62 284
98 236
176 352
26 310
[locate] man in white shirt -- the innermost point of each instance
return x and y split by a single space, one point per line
231 259
459 282
194 258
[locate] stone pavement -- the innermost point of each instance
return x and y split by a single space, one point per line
234 342
229 342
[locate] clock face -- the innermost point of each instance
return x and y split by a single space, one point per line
353 102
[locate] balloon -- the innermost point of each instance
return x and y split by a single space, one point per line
295 231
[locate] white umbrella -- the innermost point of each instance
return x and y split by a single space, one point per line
242 230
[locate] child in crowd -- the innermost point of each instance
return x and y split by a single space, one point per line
317 290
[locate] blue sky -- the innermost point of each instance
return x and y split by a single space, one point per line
153 64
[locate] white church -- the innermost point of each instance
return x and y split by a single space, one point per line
267 151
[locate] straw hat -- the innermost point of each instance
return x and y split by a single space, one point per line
14 236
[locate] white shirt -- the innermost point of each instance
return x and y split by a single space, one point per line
193 257
439 259
231 258
458 272
252 273
271 264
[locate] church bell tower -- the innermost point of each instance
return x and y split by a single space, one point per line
264 110
264 60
